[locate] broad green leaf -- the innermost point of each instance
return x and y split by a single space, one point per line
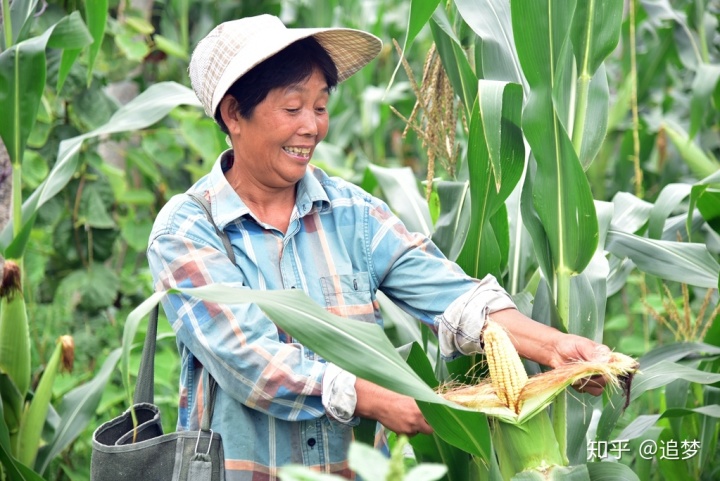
22 80
14 469
399 187
651 377
706 80
490 20
533 223
561 194
12 402
20 13
204 138
96 12
642 423
594 34
420 13
451 227
611 472
554 473
699 163
143 111
136 233
461 75
347 344
675 261
132 47
495 138
708 433
469 432
667 201
76 409
709 209
629 212
677 351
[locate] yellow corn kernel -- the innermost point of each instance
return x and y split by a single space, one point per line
507 372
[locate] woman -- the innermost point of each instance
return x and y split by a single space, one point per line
293 227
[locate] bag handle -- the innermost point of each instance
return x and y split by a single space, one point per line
145 387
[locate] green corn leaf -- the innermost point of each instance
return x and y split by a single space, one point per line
699 163
420 13
595 34
496 158
12 403
676 261
454 60
611 472
667 201
490 20
22 74
347 344
14 469
34 417
20 12
96 12
468 433
400 189
652 377
76 410
143 111
451 227
708 190
706 80
642 423
560 191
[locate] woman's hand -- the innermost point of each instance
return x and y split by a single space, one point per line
396 412
550 347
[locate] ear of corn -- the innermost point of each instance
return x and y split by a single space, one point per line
507 373
14 332
523 434
33 418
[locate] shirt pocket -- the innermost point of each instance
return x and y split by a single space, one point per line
349 295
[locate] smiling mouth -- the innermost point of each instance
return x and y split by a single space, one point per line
303 152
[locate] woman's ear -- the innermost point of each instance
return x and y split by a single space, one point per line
230 113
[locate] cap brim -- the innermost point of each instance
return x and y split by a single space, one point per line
349 49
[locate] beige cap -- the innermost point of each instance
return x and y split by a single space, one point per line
233 48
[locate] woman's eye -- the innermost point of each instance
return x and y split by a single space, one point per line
321 110
292 111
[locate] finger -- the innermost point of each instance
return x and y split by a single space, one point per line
593 385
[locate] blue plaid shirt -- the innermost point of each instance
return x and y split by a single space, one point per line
342 246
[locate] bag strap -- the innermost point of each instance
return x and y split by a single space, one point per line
145 387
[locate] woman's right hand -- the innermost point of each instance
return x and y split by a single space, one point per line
396 412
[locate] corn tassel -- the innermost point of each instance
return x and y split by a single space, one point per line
14 331
34 416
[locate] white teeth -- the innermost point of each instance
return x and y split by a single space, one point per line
297 150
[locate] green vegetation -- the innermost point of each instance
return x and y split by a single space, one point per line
568 148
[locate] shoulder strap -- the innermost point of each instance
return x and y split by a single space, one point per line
202 202
145 386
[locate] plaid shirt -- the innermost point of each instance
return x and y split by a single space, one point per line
341 246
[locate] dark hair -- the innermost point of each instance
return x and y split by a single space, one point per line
289 66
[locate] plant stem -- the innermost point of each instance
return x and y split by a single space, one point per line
559 424
580 114
634 105
17 198
7 23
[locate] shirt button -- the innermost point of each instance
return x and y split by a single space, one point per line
311 442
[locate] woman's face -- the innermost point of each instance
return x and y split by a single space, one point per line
276 143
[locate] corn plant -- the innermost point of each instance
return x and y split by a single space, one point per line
26 408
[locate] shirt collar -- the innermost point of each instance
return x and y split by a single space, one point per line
227 206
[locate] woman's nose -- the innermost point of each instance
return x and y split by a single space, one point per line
308 123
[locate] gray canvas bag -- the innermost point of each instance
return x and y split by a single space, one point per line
154 456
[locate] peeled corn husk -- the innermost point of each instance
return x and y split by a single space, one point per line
538 391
